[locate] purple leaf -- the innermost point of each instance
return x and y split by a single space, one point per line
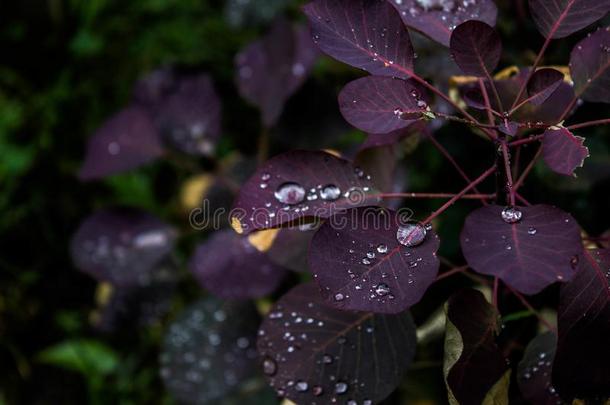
299 185
189 117
582 362
543 84
125 141
315 354
476 48
473 362
534 371
381 104
560 18
367 34
563 151
208 351
529 253
291 245
230 267
270 70
359 264
438 18
590 67
122 246
509 127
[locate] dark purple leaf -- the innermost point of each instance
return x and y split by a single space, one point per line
121 246
300 185
537 250
509 127
359 264
189 117
582 362
127 140
381 104
291 245
549 112
438 18
391 138
315 354
560 18
563 151
270 70
474 366
231 267
590 67
209 350
543 84
476 48
367 34
140 306
534 371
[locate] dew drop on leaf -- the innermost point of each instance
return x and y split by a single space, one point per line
290 193
532 231
269 366
382 248
411 234
341 387
511 215
382 289
330 192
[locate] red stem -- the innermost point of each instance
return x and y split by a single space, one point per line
524 141
547 41
479 179
451 272
509 176
494 298
605 121
435 195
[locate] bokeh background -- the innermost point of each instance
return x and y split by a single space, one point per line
67 65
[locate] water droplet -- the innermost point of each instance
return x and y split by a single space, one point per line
265 176
317 390
301 386
411 234
370 255
366 261
290 193
327 359
339 297
269 366
341 387
382 289
382 248
511 215
532 231
330 192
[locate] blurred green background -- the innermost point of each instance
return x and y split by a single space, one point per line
66 65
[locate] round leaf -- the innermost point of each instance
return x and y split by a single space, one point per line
560 18
359 264
543 84
315 354
563 151
528 255
476 48
590 67
367 34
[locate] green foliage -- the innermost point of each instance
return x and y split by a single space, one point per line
88 357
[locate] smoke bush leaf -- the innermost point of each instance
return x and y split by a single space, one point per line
476 48
543 84
560 18
359 264
367 34
315 354
563 151
590 67
437 19
539 249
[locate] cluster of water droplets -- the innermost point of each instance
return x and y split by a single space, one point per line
542 365
300 330
204 355
453 12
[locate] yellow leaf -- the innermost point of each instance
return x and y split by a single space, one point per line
263 240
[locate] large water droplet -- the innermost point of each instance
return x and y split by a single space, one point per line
511 215
382 289
411 234
301 386
341 387
330 192
269 366
339 297
290 193
382 248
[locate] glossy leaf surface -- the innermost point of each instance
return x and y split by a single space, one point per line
366 34
560 18
476 48
543 84
528 255
315 354
590 67
359 264
563 151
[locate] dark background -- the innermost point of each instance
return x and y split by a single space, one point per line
66 65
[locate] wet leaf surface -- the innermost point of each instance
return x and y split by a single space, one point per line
381 104
366 34
359 263
590 67
543 84
582 361
540 248
122 246
297 185
315 354
560 18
